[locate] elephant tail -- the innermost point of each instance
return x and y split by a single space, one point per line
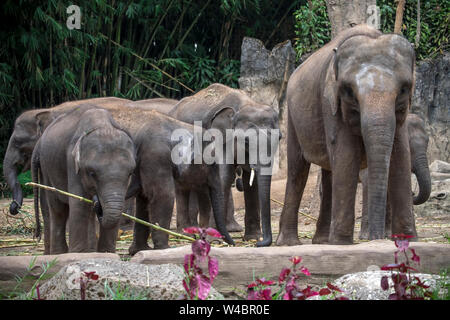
35 165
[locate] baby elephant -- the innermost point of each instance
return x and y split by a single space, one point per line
167 166
86 153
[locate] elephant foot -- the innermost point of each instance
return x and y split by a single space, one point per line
363 235
345 240
233 226
288 240
160 246
251 236
320 239
133 249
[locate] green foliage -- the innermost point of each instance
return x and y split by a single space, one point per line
127 48
434 24
312 27
24 178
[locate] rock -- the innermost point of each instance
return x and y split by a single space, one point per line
431 102
367 285
17 266
238 265
264 76
153 282
440 166
439 201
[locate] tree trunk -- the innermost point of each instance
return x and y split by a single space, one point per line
399 16
344 14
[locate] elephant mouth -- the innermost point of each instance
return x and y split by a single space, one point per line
97 208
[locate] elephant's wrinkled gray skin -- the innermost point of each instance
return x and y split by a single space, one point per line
418 144
86 153
28 128
159 179
162 105
222 107
347 104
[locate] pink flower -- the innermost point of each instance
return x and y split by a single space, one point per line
283 274
213 233
296 260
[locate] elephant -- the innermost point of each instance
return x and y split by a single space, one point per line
347 104
418 144
88 154
28 127
162 105
224 108
159 178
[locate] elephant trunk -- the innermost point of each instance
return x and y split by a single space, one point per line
264 182
421 170
10 163
378 136
218 206
112 207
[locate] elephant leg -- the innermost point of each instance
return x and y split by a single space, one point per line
297 176
204 205
93 231
107 239
345 169
232 224
252 218
59 213
140 232
182 199
388 221
399 188
193 208
46 219
161 213
81 226
323 224
364 232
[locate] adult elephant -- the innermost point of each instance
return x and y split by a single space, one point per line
347 104
221 107
166 167
418 144
28 127
86 153
162 105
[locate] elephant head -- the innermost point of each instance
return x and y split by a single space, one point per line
104 158
371 80
27 130
194 156
257 137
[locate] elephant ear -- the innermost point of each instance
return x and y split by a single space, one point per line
330 91
226 111
76 154
43 120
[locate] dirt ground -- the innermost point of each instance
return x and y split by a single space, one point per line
16 232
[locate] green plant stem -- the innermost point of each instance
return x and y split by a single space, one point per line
145 223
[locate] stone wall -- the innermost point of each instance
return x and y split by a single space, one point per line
264 77
432 102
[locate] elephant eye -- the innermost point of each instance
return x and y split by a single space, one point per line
91 173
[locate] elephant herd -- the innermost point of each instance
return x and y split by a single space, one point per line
347 111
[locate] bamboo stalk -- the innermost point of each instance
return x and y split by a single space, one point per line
303 214
145 223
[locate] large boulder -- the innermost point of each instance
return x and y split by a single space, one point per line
367 285
431 102
131 280
264 75
30 268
